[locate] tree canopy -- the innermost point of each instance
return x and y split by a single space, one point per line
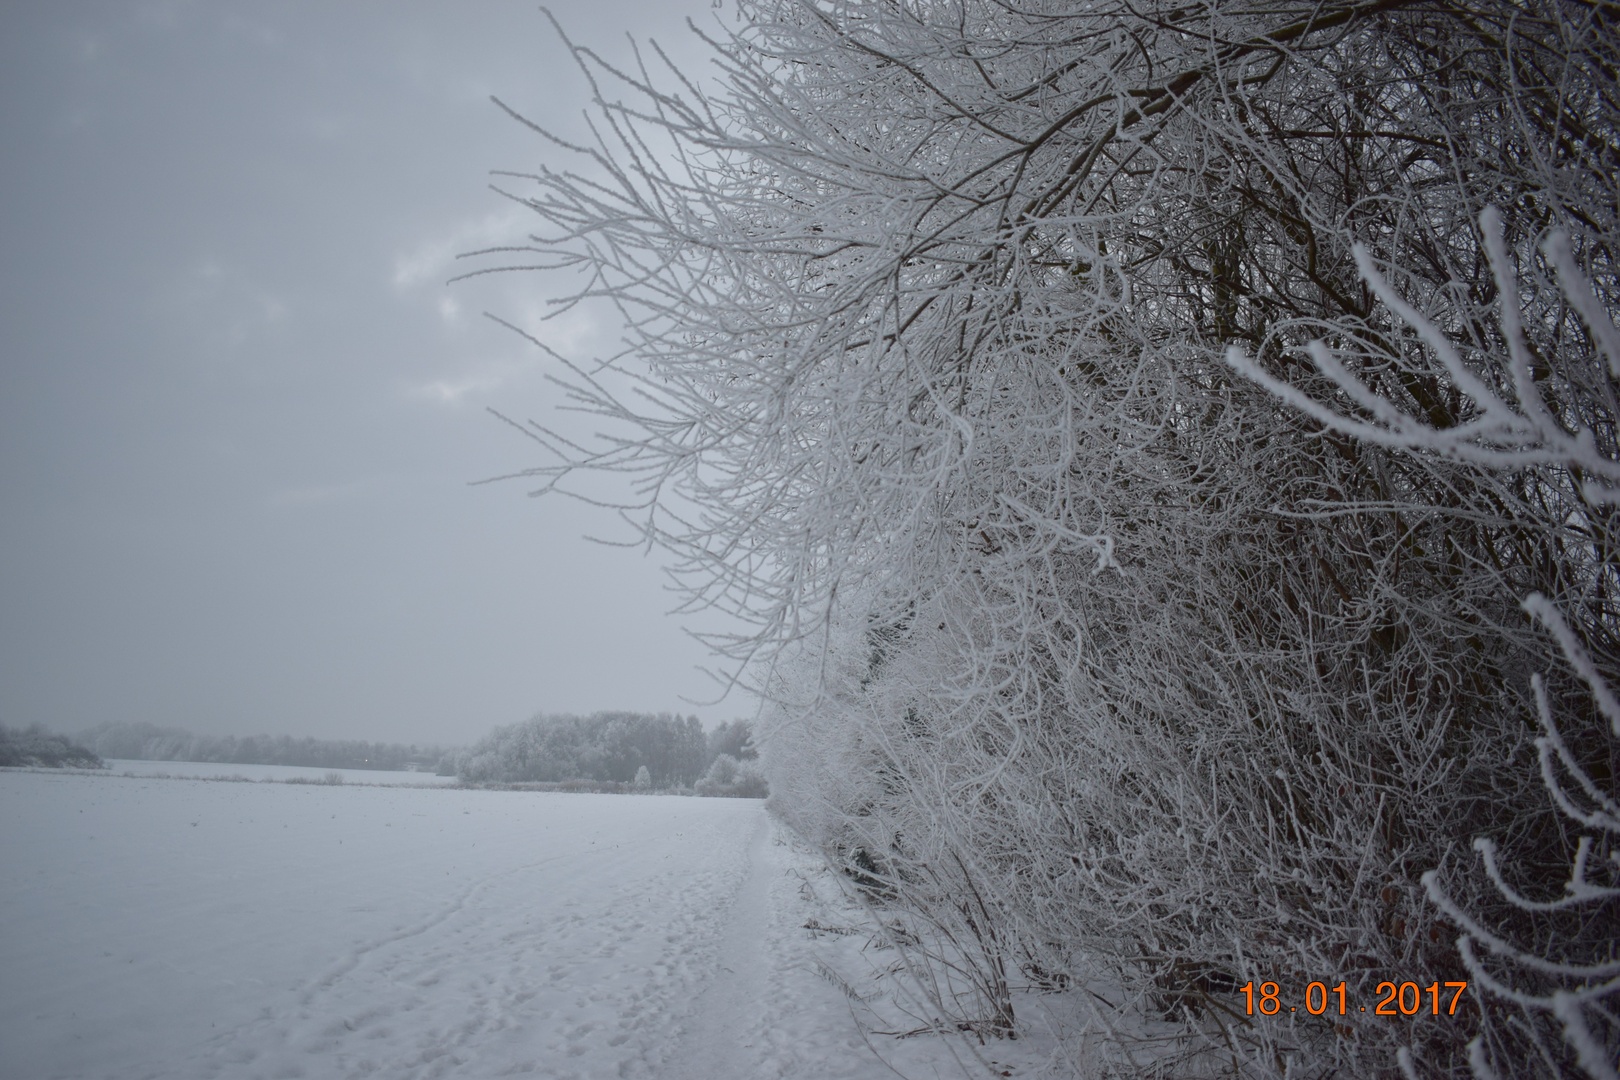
608 747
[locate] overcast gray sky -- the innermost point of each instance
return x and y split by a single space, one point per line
239 407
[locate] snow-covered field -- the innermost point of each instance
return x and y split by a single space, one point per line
159 927
213 770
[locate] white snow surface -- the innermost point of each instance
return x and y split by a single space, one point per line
179 928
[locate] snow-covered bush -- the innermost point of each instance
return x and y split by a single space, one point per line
1087 656
736 779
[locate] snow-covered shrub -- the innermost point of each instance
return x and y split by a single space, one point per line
643 781
736 779
1086 656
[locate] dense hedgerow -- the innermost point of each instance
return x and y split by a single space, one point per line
1149 586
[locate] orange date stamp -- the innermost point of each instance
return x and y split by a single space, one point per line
1405 999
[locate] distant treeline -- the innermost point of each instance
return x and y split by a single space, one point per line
660 751
36 747
147 742
612 747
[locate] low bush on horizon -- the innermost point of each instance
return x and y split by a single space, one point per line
331 779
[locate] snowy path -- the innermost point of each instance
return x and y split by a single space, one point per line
723 1039
183 928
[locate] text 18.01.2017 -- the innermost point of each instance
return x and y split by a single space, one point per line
1403 1000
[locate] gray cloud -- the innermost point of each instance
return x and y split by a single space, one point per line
239 408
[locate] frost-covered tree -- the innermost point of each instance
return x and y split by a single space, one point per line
35 747
610 747
733 737
1089 655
